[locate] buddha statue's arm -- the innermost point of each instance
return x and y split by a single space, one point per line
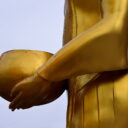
100 48
16 65
34 91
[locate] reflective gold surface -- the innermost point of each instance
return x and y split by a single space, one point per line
100 47
93 61
98 32
17 65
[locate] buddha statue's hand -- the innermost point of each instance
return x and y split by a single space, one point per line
34 91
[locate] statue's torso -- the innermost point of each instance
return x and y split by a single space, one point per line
100 103
78 17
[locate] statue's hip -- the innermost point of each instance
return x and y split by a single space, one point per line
102 102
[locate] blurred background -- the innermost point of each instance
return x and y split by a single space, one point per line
36 25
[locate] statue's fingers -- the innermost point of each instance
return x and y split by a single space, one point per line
27 103
20 105
24 104
15 91
15 101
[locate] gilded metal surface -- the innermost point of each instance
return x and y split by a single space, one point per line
99 45
93 61
17 65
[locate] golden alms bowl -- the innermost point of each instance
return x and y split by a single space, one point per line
16 65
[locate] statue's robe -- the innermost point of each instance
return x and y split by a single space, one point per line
94 101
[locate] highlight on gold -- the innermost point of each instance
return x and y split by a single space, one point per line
16 65
92 67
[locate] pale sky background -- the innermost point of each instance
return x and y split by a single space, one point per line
37 25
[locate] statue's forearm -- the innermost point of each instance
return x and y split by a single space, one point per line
100 48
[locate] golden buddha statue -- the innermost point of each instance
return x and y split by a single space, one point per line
91 66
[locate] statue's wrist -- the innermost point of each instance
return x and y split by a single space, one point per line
38 76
